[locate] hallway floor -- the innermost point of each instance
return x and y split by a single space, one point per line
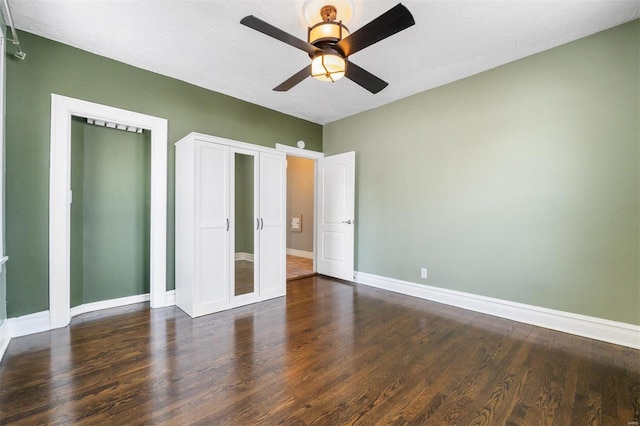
299 267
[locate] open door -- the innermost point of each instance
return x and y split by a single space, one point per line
336 215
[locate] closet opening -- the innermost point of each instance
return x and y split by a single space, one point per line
110 211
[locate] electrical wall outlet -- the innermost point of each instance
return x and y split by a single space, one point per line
423 273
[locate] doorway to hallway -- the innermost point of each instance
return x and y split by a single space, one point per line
300 217
332 210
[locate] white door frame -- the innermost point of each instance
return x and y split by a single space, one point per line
312 155
62 109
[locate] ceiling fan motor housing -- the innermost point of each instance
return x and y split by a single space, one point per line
329 31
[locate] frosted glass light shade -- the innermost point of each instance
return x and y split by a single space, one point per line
328 67
327 31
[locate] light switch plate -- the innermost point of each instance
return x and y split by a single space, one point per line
296 223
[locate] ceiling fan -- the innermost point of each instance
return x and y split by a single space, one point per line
329 43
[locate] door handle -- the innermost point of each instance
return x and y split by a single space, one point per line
348 222
227 224
257 224
261 223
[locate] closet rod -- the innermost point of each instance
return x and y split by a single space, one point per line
19 53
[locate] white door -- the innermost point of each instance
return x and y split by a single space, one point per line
213 224
273 208
336 215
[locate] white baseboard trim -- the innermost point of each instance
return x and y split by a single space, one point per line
171 298
106 304
244 256
29 324
615 332
300 253
39 321
5 338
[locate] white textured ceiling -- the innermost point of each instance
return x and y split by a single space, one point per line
203 43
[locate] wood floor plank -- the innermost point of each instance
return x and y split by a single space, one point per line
628 362
329 353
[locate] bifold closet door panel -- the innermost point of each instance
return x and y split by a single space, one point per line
185 227
272 228
213 225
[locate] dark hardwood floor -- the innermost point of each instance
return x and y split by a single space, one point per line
329 353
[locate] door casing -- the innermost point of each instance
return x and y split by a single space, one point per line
62 109
311 155
316 156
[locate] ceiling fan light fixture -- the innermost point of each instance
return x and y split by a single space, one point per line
328 67
330 48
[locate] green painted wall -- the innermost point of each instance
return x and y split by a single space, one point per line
520 183
77 210
52 67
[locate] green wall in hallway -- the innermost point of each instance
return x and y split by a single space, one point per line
521 183
52 67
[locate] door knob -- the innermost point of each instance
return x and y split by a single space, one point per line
348 222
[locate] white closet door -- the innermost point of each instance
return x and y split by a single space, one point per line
212 225
272 259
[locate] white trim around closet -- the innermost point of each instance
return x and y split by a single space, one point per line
62 109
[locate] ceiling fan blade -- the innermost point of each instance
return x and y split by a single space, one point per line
268 29
364 78
392 21
294 79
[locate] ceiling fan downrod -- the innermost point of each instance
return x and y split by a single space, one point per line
328 13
